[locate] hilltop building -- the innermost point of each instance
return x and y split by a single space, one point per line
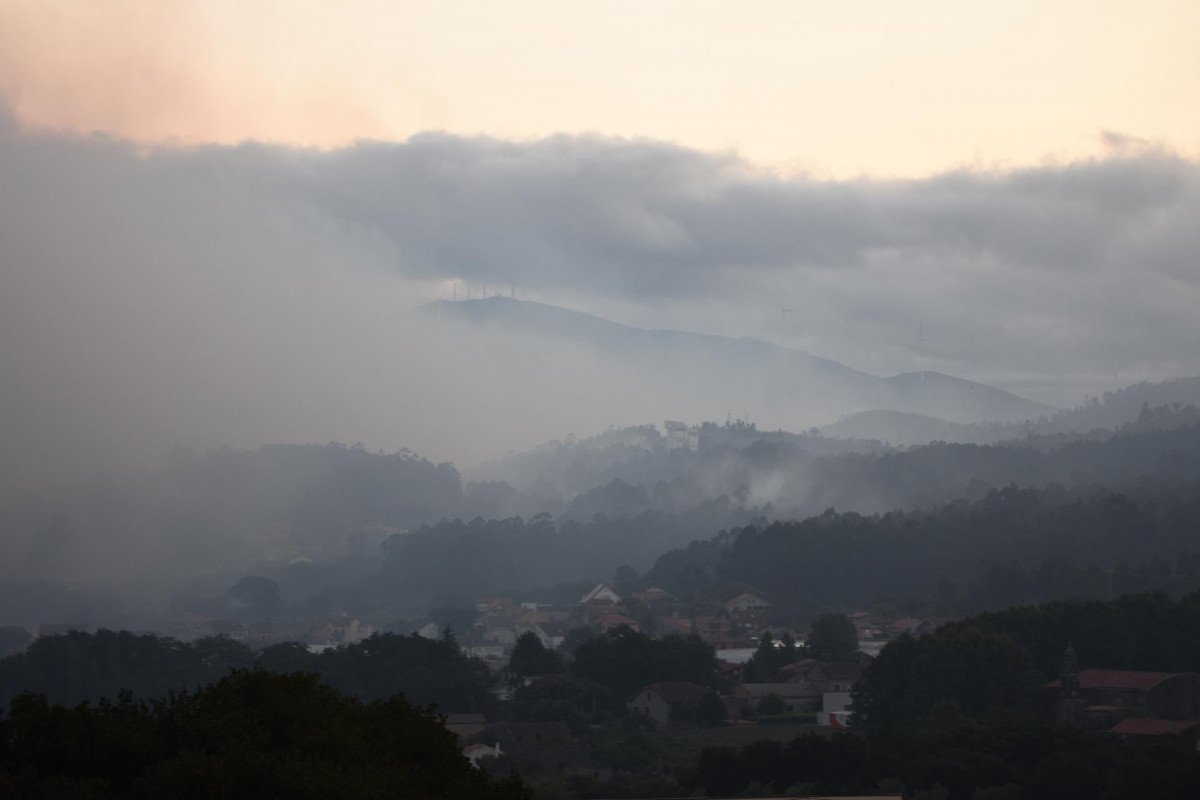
680 436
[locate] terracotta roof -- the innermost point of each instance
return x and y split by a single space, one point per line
840 670
1153 727
675 692
834 670
802 665
1118 679
906 624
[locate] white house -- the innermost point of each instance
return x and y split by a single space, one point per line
475 752
600 593
746 604
429 630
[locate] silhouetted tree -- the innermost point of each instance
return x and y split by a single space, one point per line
833 638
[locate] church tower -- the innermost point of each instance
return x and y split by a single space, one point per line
1069 708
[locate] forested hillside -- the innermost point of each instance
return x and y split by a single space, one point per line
993 666
1009 547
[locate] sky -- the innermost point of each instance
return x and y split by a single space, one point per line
835 89
212 213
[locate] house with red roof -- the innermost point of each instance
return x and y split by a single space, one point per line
748 610
1166 695
475 752
1102 699
677 625
747 603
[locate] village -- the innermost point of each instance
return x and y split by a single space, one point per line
766 680
803 692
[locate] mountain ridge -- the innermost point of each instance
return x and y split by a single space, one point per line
774 377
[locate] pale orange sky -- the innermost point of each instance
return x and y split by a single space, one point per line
837 88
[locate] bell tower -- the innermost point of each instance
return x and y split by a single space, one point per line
1069 707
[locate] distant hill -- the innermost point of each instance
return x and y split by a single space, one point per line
902 429
713 374
946 397
1140 407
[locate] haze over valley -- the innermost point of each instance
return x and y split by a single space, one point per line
543 401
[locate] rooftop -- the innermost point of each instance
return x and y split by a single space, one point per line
675 692
1153 727
1118 679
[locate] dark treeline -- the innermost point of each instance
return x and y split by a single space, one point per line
960 761
250 734
1128 406
78 667
993 666
963 714
799 475
313 518
639 456
940 473
585 689
456 561
835 556
789 477
1011 546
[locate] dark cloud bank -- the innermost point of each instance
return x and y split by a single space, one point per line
252 294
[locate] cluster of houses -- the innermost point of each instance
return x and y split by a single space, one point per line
1127 703
807 689
808 686
500 621
732 627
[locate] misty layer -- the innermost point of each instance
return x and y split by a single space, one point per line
253 294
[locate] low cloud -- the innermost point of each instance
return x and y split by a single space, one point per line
256 293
